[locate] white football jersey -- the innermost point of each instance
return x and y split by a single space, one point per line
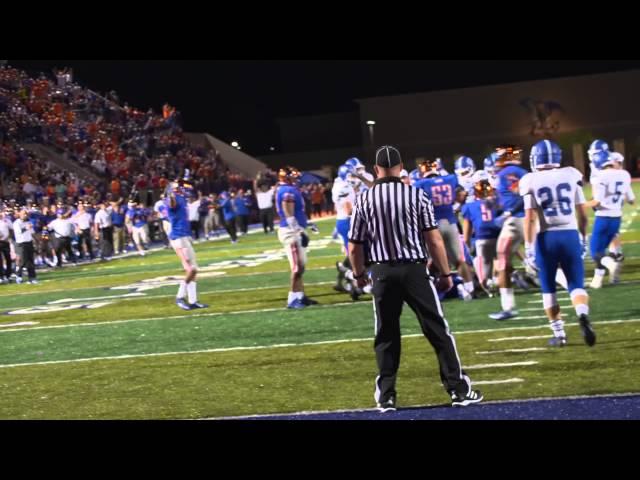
338 184
594 173
554 195
493 181
360 186
343 193
611 187
467 182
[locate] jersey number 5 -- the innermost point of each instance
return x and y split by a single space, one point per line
487 214
617 194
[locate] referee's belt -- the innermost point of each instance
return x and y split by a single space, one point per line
394 263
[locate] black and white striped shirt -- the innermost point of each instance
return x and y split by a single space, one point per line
390 219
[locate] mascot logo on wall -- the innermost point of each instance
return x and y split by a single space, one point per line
544 116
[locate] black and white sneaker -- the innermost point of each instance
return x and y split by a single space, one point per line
182 303
558 342
388 406
308 302
198 306
355 294
474 396
587 331
618 257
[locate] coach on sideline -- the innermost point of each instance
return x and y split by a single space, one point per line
396 224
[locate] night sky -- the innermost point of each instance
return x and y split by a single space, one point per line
240 100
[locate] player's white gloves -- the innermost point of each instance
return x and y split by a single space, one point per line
583 246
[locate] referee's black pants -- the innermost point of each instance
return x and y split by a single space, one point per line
394 284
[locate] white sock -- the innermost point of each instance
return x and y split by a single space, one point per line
600 272
582 309
469 287
192 292
299 295
558 328
549 300
616 250
182 291
609 263
292 298
507 299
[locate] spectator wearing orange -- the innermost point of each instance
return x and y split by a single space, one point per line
115 187
51 190
317 198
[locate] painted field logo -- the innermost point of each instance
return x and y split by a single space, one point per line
136 289
58 308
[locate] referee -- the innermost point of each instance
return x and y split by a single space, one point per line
393 229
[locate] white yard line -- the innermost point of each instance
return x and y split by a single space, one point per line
508 339
500 365
514 350
265 347
498 382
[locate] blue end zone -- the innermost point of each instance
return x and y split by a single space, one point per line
593 408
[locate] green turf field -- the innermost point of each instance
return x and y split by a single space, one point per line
105 341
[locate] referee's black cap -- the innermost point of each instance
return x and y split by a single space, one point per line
388 157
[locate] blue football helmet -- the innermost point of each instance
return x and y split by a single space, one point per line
545 154
465 166
602 159
353 163
595 147
344 171
490 163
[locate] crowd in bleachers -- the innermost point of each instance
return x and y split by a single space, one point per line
126 157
